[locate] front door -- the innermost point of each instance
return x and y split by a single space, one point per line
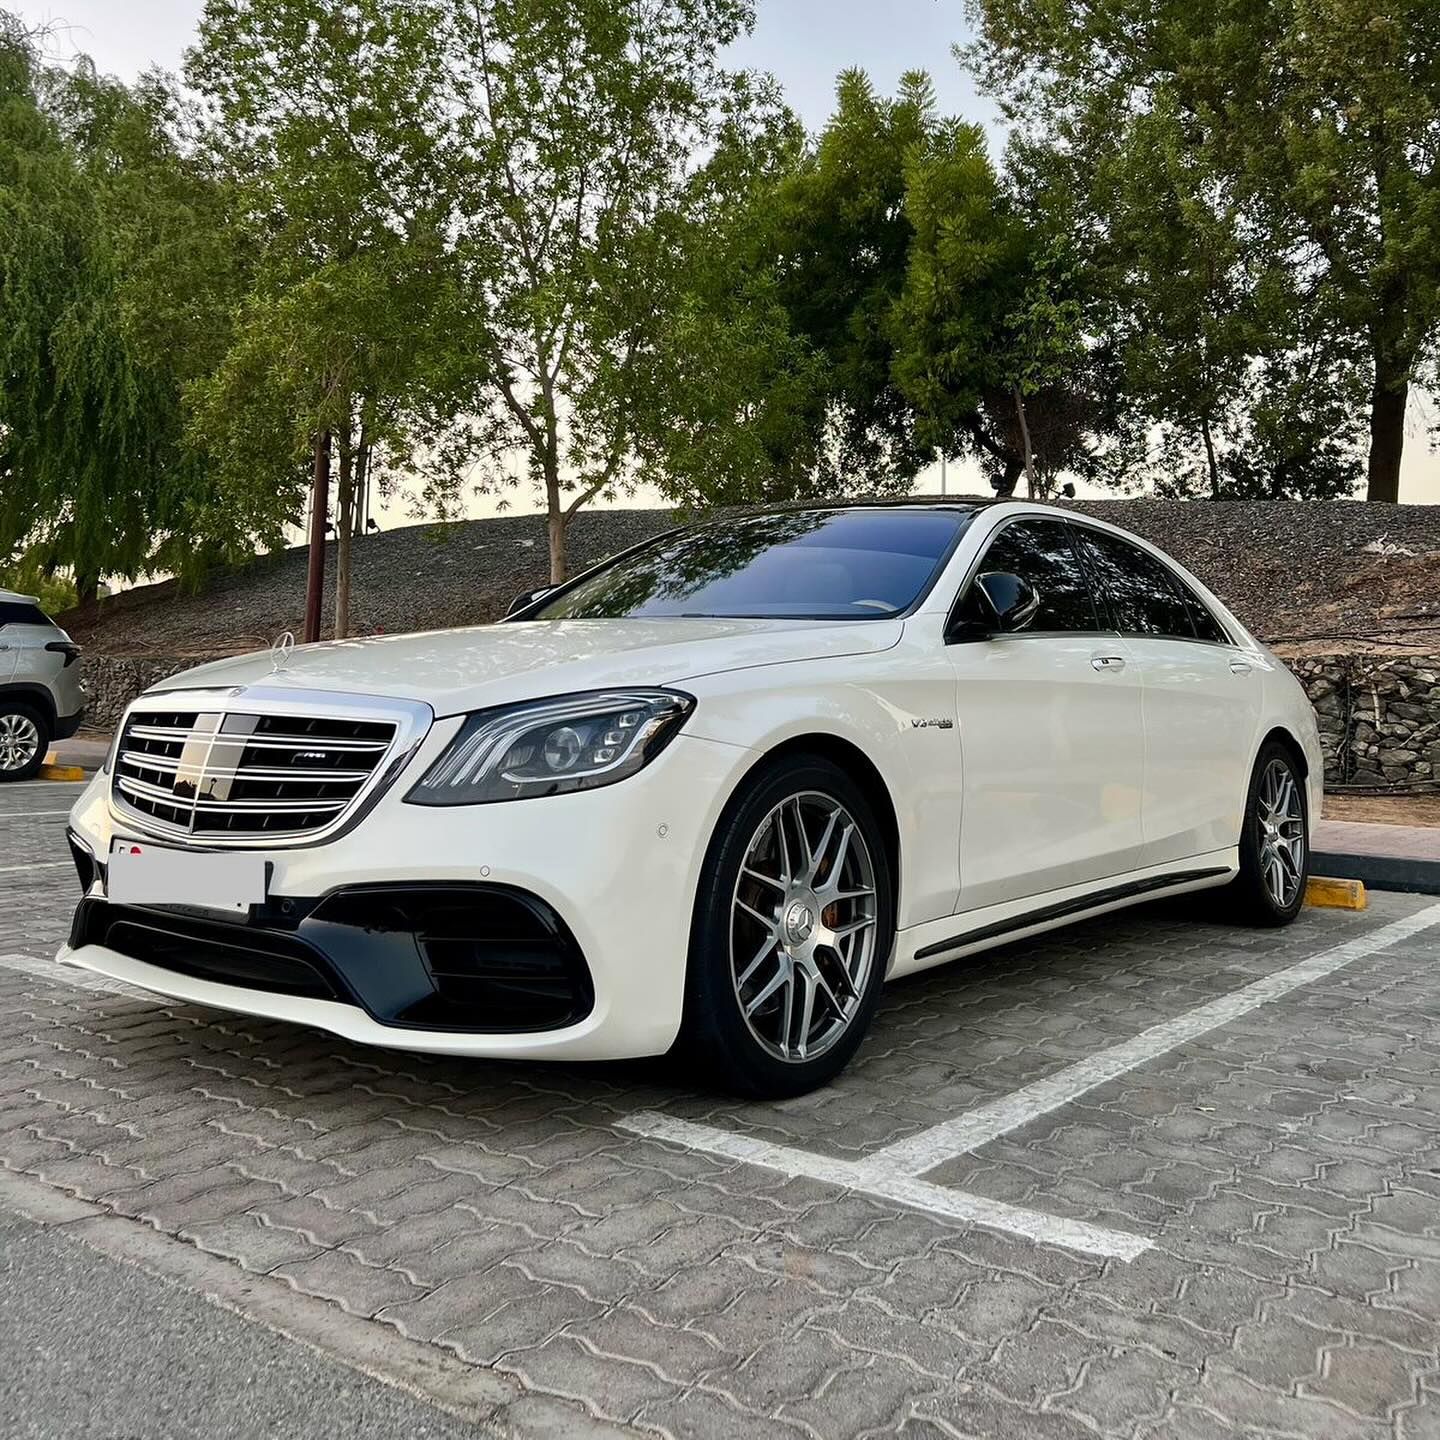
1050 733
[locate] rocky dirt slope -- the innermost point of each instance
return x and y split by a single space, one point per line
1319 576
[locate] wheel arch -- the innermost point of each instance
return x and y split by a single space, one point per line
36 696
850 758
1282 736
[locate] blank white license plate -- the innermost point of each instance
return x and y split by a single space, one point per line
145 874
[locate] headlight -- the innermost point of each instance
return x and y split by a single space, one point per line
551 747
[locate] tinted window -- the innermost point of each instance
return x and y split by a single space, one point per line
15 612
1207 627
1043 553
1144 597
830 565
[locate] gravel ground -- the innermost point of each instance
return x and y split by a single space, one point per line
1291 570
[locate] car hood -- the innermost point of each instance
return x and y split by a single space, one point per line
469 669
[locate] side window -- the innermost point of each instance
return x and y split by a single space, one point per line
1145 598
1043 553
13 612
1207 627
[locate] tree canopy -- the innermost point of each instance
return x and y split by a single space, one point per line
1263 178
116 269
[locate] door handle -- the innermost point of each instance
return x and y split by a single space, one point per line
1240 667
1108 662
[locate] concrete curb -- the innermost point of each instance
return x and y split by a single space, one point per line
1380 872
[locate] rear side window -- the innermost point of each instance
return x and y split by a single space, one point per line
17 612
1144 597
1043 553
1207 627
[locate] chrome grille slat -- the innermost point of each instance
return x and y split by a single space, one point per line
222 775
171 765
222 807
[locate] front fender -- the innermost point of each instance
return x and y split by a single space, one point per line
893 708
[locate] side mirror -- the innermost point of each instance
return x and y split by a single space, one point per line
526 598
998 603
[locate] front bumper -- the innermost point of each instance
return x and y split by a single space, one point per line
617 869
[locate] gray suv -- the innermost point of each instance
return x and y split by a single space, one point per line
41 697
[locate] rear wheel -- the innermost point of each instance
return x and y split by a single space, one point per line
792 932
24 739
1274 848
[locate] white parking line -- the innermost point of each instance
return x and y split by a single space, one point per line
888 1184
37 865
978 1127
17 814
894 1172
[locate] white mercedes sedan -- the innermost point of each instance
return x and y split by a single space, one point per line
707 796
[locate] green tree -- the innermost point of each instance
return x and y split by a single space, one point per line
1306 131
736 399
115 270
942 314
579 124
328 121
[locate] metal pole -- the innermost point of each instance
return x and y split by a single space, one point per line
942 472
319 512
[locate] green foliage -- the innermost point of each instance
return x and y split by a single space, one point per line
576 127
325 121
112 259
1256 187
56 593
905 308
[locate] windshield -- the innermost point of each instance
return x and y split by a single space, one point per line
820 565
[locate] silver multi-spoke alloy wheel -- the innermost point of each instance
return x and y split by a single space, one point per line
803 927
19 741
1282 833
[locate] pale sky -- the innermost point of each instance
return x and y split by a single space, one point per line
804 43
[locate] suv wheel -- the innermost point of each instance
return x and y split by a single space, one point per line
24 739
792 932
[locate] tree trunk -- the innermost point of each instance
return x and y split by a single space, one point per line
556 522
1005 483
344 534
87 591
1387 431
319 510
362 483
1025 441
1210 457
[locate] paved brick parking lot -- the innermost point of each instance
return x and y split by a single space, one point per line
1274 1177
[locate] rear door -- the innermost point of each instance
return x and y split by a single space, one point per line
1202 700
1050 733
18 619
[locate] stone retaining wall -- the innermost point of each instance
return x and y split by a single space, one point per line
1379 717
113 681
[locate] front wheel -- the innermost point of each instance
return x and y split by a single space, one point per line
792 932
1274 848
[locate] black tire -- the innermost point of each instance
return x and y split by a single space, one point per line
1253 891
27 717
716 1039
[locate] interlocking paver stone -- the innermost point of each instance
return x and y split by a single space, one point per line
1286 1167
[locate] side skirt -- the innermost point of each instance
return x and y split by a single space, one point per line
984 935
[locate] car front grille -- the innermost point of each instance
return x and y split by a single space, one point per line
238 774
